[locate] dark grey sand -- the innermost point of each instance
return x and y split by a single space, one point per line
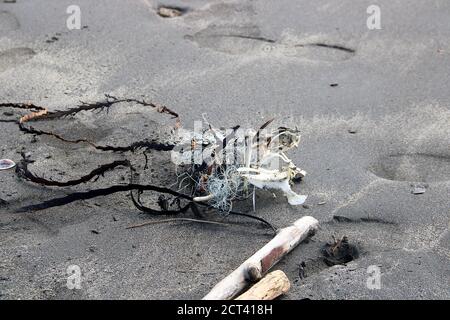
241 62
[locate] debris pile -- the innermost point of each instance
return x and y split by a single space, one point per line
215 167
222 166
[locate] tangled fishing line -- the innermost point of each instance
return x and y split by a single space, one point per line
224 166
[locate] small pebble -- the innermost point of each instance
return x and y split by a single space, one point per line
167 12
418 189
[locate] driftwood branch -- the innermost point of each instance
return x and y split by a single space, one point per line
254 268
270 287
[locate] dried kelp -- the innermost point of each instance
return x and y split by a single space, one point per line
90 194
23 172
40 113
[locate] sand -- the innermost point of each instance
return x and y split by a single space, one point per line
380 129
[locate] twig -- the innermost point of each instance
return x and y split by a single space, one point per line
175 220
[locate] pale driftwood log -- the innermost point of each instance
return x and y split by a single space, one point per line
254 268
270 287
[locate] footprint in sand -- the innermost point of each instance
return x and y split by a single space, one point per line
248 39
414 167
8 22
13 57
240 36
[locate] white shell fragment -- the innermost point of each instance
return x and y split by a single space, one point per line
275 180
418 189
6 164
